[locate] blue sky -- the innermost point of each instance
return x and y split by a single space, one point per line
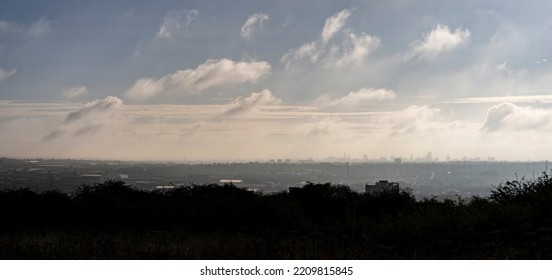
246 80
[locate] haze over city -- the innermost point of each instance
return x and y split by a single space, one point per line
247 80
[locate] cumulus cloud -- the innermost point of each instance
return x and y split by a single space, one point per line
221 72
242 105
352 51
311 50
511 117
212 73
146 88
496 115
438 40
4 74
174 22
333 24
90 119
359 97
255 20
74 92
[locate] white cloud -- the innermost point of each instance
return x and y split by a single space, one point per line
254 20
146 88
368 95
310 50
334 24
220 73
74 92
90 119
491 67
4 74
359 97
354 50
438 40
315 49
510 117
242 105
174 22
212 73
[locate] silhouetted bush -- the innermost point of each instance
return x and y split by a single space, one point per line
114 220
523 190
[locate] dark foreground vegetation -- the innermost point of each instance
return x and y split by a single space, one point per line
112 220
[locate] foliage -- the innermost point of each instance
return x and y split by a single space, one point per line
114 220
523 190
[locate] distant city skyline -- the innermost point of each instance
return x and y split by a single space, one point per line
281 160
240 80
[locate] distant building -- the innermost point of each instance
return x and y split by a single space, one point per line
168 186
382 186
230 181
165 187
428 157
398 161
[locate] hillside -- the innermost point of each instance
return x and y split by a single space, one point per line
113 220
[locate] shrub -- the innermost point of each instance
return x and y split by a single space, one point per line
523 190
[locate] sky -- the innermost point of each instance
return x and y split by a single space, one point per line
256 80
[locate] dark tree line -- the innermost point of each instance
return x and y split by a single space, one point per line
313 221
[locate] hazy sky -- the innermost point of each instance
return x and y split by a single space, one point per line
246 80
